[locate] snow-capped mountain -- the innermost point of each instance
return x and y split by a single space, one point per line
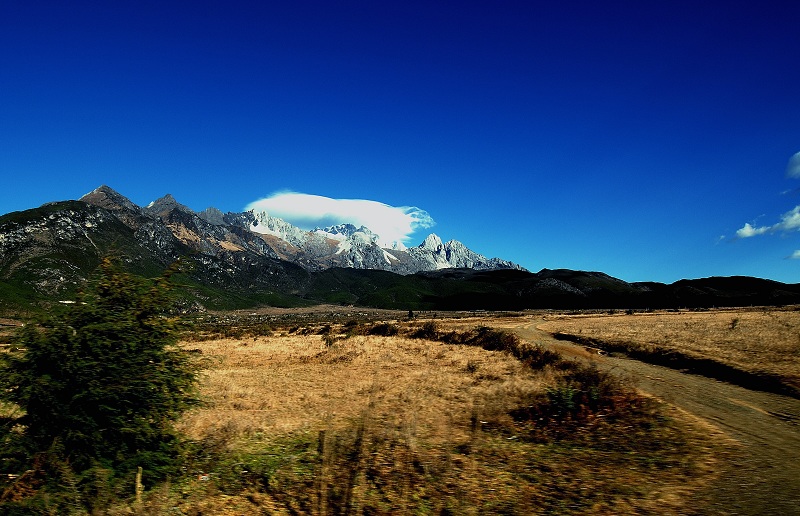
264 224
344 231
454 254
359 247
233 249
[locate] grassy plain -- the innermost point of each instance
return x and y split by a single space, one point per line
764 342
311 420
308 412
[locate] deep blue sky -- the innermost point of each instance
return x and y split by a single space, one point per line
633 138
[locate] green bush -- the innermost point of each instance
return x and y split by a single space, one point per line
101 384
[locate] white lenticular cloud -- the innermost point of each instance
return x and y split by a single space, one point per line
793 168
795 255
306 211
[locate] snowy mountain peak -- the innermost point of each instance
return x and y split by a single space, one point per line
432 243
347 231
344 230
265 224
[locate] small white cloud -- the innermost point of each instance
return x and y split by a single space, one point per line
306 211
790 221
793 168
795 255
748 231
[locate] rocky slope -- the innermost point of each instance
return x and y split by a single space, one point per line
54 247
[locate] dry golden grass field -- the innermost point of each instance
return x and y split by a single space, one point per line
764 342
337 410
299 422
325 411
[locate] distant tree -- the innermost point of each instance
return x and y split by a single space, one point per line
104 381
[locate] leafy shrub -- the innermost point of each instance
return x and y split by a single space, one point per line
536 356
351 323
101 384
494 340
261 329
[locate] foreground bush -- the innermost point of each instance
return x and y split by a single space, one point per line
99 388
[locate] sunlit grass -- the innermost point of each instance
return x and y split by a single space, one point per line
758 341
370 424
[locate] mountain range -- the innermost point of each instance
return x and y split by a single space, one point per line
250 258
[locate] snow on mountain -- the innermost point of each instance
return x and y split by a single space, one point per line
342 231
359 247
454 254
358 235
264 224
432 243
213 233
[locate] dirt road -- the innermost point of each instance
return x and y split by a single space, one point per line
761 468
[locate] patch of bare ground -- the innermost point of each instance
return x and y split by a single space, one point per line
365 424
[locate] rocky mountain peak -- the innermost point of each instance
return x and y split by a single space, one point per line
108 198
343 230
166 228
212 216
165 205
432 243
